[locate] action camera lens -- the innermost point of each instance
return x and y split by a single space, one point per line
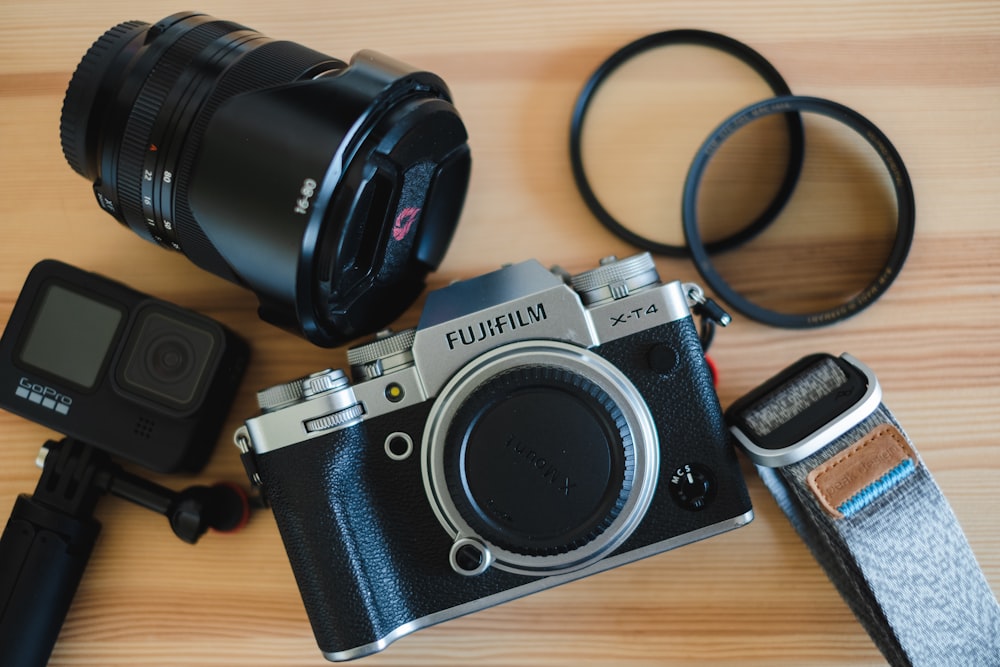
169 359
329 189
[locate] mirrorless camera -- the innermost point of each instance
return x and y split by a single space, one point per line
535 428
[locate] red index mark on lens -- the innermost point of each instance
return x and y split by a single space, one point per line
404 221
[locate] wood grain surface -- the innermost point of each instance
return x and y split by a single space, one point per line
926 72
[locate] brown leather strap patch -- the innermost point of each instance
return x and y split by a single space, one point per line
859 467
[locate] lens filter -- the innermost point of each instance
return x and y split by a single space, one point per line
798 212
630 147
842 237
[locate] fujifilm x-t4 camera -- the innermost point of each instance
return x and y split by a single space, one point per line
535 428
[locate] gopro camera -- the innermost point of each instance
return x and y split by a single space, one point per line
138 377
120 374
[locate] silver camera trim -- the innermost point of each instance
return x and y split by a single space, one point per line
289 425
497 307
582 361
537 585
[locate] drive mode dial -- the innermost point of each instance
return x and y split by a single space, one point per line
301 389
389 351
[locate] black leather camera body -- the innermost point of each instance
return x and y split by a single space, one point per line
535 428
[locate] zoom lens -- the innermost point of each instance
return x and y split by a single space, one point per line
329 189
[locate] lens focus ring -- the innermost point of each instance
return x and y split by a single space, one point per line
76 139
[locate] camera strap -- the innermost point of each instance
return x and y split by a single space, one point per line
851 482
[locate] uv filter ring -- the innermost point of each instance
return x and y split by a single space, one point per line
905 209
730 46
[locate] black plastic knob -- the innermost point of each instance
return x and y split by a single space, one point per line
692 486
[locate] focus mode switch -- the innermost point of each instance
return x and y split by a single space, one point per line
692 486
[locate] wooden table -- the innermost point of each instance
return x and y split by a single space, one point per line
927 73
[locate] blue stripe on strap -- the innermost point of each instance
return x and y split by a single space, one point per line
867 496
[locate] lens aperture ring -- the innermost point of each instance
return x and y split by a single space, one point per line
171 131
142 176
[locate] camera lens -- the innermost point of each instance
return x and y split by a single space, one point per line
168 358
539 460
329 189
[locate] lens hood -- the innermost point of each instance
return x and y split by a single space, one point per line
346 250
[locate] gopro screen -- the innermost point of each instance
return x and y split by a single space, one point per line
70 334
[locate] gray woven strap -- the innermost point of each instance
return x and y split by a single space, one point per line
872 515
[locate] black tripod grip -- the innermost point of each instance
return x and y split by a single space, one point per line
43 554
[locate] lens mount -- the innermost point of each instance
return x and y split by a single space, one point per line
545 452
